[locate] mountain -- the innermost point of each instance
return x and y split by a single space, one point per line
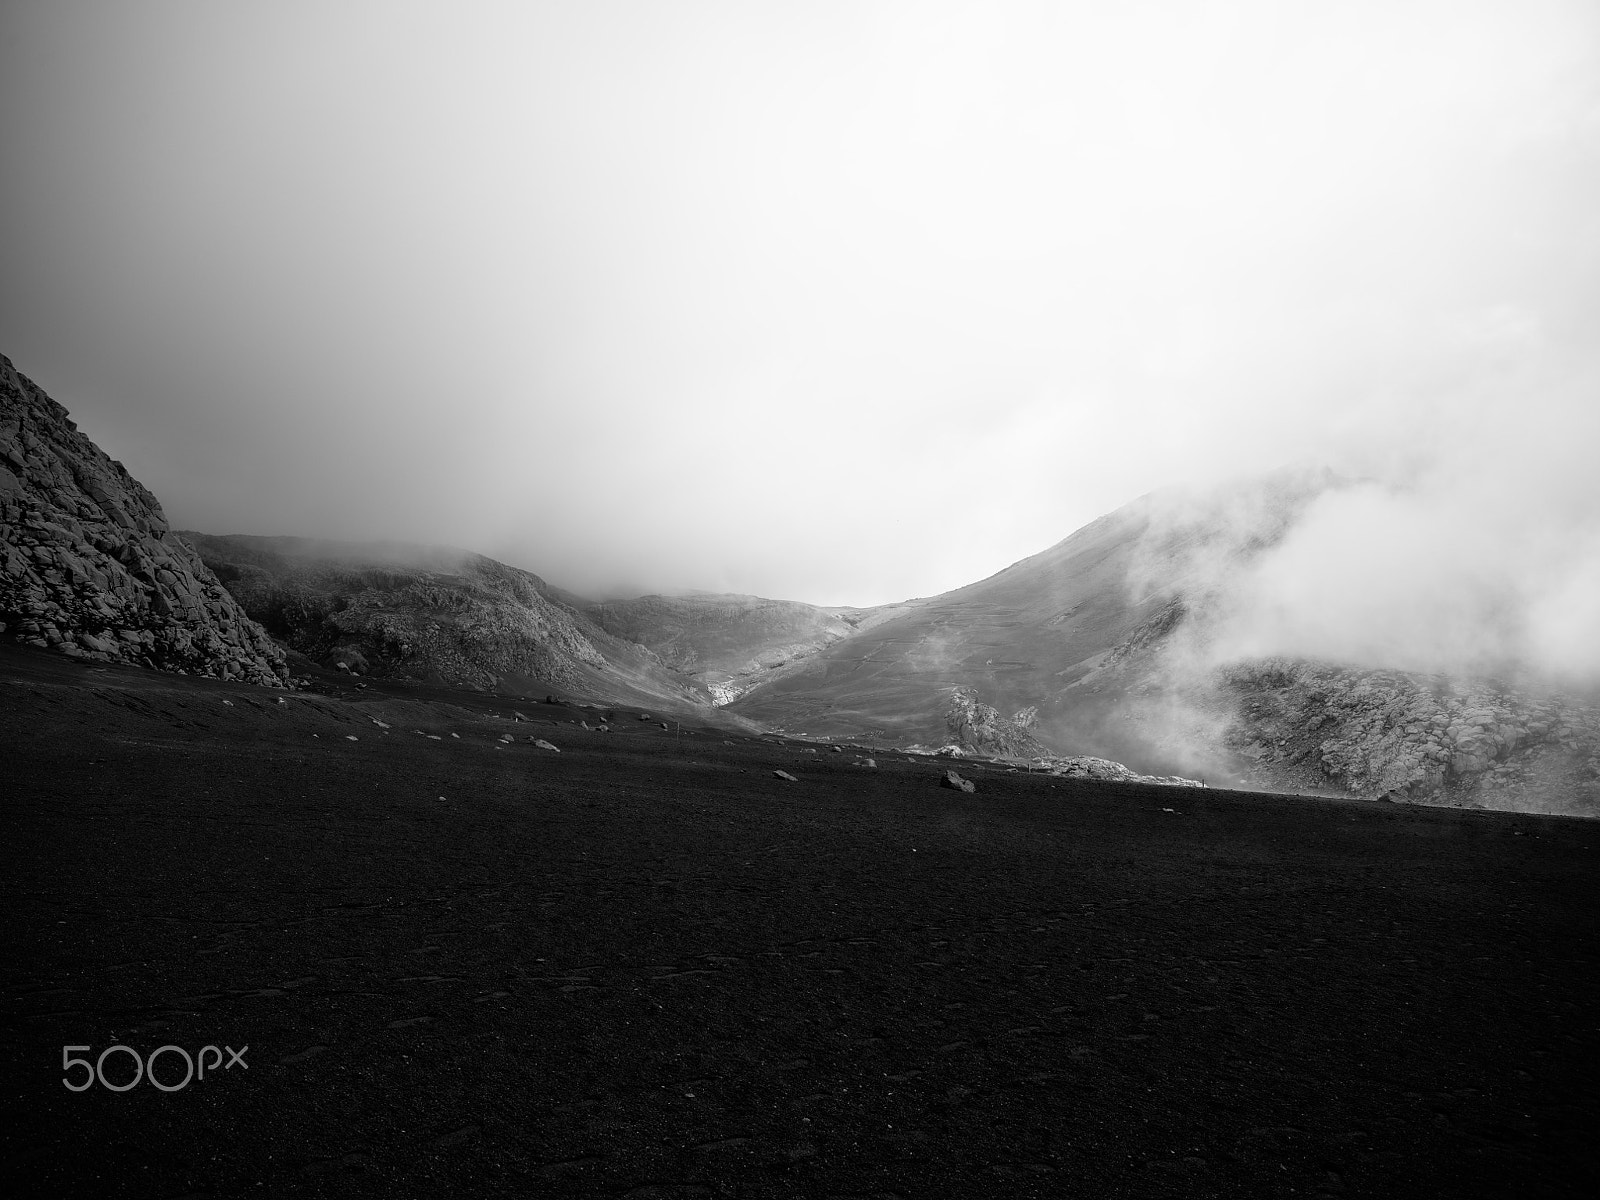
1106 645
1021 639
88 567
438 615
729 644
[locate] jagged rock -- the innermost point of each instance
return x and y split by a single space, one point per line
1086 766
951 780
979 728
1418 738
88 567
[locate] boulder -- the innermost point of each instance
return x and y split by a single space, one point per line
951 780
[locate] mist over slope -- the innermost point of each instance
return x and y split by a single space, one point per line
1022 638
729 644
433 614
1215 633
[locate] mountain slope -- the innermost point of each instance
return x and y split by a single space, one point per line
439 615
1023 637
729 644
87 566
1103 645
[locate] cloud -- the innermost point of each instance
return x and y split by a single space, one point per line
1461 534
836 302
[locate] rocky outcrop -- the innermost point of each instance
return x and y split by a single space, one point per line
1085 766
979 727
434 614
88 567
1426 739
402 611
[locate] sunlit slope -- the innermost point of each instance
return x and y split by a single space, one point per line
1020 638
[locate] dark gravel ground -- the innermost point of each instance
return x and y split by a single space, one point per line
646 967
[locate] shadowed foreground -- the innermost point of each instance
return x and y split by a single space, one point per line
646 967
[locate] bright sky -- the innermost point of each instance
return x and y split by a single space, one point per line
838 302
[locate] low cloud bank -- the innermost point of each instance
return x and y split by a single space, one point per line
1461 538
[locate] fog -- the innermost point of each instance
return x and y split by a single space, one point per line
1470 547
841 303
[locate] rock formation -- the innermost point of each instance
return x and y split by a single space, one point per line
433 614
88 567
980 728
1420 738
1084 766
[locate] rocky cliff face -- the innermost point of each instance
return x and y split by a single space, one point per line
1425 739
1293 724
88 567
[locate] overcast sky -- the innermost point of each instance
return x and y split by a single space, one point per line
832 302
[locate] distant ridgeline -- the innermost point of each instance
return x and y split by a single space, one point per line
87 566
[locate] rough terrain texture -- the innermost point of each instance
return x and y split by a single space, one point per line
979 727
728 644
446 616
1426 739
87 566
646 967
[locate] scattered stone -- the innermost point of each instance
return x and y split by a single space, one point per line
786 775
506 737
349 737
544 745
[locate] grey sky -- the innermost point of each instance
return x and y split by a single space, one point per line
832 302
